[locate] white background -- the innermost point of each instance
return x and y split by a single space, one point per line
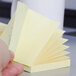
70 4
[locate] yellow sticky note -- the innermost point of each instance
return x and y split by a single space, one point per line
36 41
6 34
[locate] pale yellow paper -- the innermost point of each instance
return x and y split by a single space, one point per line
49 66
30 33
35 40
20 16
6 35
2 27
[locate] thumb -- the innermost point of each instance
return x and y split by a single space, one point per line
5 56
0 73
11 55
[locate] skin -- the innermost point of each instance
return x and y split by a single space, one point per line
7 67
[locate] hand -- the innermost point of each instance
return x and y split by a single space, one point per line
7 67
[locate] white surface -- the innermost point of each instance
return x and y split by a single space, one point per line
52 9
70 4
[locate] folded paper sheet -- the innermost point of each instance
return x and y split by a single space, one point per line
2 27
36 41
6 35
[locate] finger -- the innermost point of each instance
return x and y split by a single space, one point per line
11 55
9 71
0 73
19 68
4 54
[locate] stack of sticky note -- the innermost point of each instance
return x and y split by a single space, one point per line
35 40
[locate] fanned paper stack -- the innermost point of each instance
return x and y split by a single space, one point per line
35 40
